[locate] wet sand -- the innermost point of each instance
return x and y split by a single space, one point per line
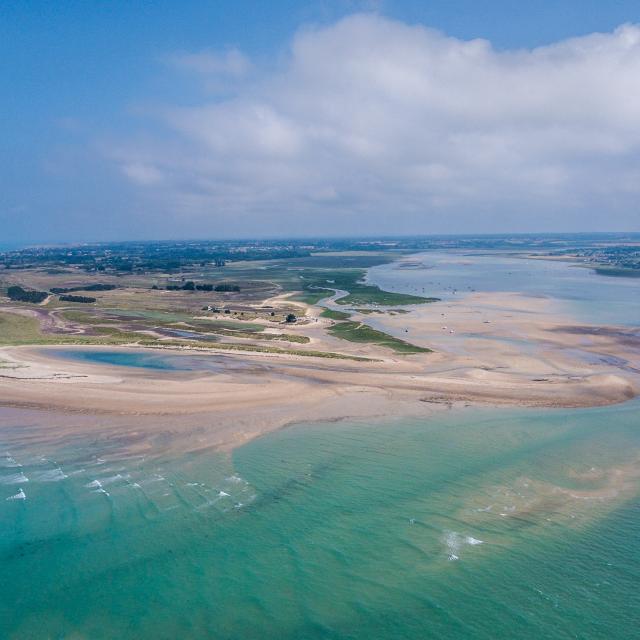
496 348
524 355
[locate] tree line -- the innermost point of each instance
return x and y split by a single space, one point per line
20 294
89 287
192 286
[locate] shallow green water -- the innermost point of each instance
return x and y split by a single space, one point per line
459 526
142 359
150 359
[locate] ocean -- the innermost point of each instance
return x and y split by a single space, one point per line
475 523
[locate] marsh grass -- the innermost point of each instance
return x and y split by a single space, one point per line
332 314
358 332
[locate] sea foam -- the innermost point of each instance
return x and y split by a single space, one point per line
18 496
52 475
454 542
14 478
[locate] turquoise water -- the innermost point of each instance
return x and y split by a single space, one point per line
136 359
148 359
475 523
592 298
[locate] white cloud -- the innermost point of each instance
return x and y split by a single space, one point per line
143 174
416 130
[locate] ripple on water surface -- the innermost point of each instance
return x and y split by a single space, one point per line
474 523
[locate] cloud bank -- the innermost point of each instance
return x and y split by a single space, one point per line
371 125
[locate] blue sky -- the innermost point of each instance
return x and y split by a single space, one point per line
113 114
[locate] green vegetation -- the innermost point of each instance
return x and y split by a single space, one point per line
312 297
83 299
335 315
619 272
250 335
168 318
137 311
255 348
89 287
315 282
26 295
190 285
229 324
371 294
17 330
85 318
113 335
285 337
187 286
358 332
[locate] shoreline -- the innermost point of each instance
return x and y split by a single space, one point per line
488 348
255 394
435 376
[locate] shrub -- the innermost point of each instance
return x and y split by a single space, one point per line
23 295
68 298
89 287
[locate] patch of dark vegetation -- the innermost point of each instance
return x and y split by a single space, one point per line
189 285
83 299
89 287
619 272
19 294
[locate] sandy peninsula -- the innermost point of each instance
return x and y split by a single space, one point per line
504 349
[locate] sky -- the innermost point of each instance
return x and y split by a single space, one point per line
227 119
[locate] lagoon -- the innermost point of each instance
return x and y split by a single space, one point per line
149 359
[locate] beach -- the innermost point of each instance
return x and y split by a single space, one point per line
496 348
